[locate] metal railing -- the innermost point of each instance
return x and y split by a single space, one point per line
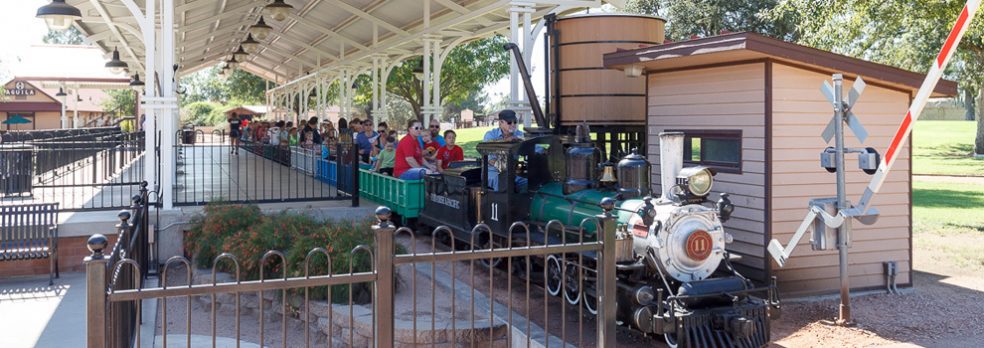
93 171
498 323
209 168
132 247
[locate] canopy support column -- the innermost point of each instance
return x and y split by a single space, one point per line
519 33
75 109
168 103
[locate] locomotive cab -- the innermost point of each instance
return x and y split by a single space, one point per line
504 199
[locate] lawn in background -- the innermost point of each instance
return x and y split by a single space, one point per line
944 148
469 137
948 225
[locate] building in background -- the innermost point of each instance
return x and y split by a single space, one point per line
32 99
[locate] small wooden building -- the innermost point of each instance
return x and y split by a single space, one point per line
752 108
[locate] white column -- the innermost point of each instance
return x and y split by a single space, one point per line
436 109
519 34
425 108
75 110
169 104
150 96
374 114
64 100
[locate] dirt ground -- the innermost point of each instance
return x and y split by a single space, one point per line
944 308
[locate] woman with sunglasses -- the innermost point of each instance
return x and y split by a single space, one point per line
409 162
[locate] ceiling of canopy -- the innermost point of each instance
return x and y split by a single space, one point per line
316 33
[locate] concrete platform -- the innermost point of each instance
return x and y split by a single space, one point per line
36 315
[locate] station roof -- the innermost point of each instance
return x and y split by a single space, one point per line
333 32
737 47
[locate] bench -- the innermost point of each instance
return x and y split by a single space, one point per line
29 232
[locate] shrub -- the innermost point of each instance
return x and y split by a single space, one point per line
206 239
248 234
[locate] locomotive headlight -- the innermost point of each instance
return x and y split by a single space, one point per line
697 180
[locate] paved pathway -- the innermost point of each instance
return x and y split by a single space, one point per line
32 314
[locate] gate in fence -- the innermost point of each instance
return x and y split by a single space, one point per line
477 306
213 167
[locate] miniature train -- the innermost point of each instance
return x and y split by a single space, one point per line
674 273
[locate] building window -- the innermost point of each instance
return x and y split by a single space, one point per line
717 149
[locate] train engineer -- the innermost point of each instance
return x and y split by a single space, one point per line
506 131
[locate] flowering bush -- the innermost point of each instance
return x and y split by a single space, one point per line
248 234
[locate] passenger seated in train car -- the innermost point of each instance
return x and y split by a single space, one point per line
430 148
506 131
409 163
450 152
385 160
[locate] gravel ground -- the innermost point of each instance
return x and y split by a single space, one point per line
940 311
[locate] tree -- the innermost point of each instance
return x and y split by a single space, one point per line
688 18
467 69
70 36
245 88
204 85
122 102
903 33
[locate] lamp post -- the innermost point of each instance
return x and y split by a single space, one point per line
61 96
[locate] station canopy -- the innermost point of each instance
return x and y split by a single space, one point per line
334 33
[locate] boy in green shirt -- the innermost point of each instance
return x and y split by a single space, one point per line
385 159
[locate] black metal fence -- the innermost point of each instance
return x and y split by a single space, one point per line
210 168
94 170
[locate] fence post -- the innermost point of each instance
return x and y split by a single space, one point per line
385 250
606 275
355 174
95 285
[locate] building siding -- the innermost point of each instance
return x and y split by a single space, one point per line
721 98
800 113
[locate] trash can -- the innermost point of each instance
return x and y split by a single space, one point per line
188 136
16 170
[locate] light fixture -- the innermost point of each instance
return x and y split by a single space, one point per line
116 65
61 92
224 72
232 63
418 70
634 70
58 15
355 84
277 10
260 30
250 45
135 83
240 54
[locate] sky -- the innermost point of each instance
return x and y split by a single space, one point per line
20 29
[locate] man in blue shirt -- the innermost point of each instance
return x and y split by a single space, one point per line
506 131
362 139
435 131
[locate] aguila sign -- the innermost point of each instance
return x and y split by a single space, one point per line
21 89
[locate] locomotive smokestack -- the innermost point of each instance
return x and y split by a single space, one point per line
670 161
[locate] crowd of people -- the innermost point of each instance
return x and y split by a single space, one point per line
419 152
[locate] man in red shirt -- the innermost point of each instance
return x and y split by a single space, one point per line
409 163
449 152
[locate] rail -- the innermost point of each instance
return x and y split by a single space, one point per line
478 316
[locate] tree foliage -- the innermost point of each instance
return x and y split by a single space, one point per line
903 33
122 102
688 18
70 36
240 87
467 69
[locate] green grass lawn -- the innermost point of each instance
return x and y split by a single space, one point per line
948 225
469 137
945 147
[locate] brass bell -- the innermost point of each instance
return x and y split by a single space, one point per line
608 174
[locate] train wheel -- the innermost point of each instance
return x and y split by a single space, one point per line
489 243
554 274
572 288
671 340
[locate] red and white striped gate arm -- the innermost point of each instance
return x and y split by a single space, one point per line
922 96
